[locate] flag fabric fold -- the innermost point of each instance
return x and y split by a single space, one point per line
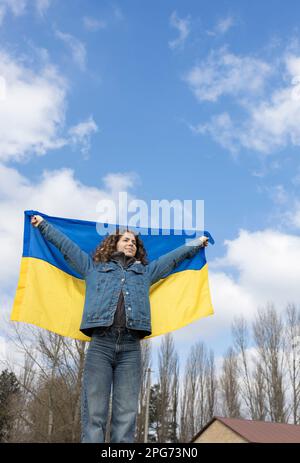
50 293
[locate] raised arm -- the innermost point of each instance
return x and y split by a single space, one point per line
168 262
73 254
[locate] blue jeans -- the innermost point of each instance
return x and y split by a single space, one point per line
113 359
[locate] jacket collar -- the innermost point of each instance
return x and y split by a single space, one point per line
120 257
132 263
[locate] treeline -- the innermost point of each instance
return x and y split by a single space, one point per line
258 378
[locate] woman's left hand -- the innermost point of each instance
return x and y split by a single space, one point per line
204 240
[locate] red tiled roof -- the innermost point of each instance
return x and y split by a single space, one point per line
260 431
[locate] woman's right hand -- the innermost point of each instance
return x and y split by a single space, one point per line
36 220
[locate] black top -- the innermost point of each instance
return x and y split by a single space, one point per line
120 317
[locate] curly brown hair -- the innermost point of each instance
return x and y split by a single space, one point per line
108 246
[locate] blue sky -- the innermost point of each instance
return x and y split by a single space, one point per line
167 100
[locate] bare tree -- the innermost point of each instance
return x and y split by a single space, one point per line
189 396
293 358
50 378
199 354
253 378
146 365
167 370
198 398
184 422
211 386
174 400
259 393
252 384
269 338
229 386
241 344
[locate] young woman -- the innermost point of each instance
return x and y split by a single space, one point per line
116 316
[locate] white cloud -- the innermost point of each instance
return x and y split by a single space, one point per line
222 26
120 182
42 6
32 111
275 123
2 14
292 215
286 210
183 27
278 194
76 47
16 7
19 7
92 24
80 134
267 122
3 348
221 128
2 88
267 263
224 73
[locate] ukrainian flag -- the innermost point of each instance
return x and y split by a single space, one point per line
50 294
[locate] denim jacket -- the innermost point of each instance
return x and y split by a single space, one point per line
105 280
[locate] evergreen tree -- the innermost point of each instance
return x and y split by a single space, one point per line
9 388
155 418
